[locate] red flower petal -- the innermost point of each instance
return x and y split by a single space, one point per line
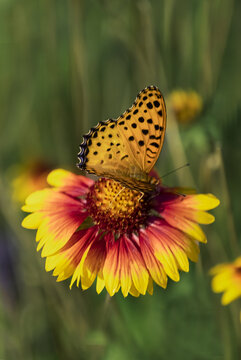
65 181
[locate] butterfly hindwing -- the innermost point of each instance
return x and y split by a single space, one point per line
126 149
102 148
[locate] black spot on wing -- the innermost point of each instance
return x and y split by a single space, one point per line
145 131
154 144
151 157
153 152
152 137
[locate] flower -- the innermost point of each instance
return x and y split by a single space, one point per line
125 239
28 178
227 279
186 105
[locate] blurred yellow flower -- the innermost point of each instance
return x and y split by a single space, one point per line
186 105
28 178
227 279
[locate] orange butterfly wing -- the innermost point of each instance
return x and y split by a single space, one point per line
126 149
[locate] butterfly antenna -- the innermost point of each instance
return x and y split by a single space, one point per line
172 171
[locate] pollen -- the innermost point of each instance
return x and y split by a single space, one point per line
117 208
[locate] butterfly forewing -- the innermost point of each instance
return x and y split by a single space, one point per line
142 128
126 149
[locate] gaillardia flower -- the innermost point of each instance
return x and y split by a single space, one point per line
101 230
227 279
186 105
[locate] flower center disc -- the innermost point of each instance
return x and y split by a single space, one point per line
115 207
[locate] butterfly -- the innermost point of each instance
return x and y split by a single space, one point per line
127 148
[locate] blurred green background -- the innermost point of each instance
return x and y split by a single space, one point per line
66 65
